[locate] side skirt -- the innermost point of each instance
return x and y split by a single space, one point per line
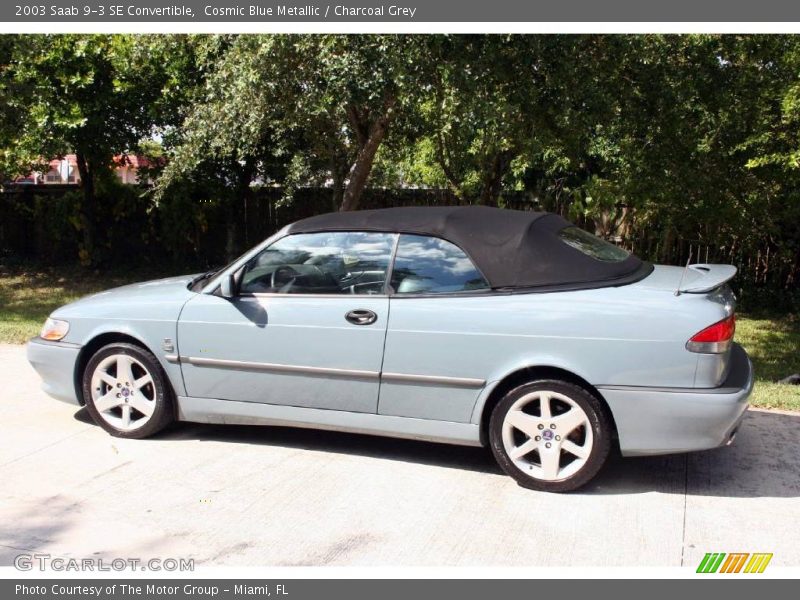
231 412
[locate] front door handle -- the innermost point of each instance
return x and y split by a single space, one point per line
361 316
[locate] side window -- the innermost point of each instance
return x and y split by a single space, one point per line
321 263
429 265
592 246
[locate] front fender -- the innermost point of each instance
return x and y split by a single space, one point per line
150 334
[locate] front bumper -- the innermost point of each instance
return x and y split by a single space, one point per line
667 420
55 364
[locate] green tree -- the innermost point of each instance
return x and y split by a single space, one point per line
94 95
305 109
497 106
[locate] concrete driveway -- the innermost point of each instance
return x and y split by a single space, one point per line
271 496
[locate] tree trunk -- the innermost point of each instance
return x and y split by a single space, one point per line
87 212
235 221
362 167
338 173
246 173
493 178
444 162
666 249
230 229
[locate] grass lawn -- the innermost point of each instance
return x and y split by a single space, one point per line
773 343
28 297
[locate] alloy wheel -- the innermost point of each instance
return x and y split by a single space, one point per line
123 392
547 435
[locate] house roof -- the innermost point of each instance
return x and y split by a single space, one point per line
513 249
136 161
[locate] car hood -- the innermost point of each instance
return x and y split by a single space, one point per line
148 296
154 286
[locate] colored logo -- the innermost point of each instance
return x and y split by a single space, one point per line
735 562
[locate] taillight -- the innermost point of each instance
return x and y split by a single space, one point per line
714 339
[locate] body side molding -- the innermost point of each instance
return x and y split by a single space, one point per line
433 380
465 382
278 368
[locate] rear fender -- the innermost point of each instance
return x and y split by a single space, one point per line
510 369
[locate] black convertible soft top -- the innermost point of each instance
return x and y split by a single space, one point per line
512 248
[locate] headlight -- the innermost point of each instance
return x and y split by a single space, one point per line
54 330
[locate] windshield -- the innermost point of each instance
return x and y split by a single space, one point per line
199 282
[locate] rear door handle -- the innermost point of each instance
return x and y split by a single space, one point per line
361 316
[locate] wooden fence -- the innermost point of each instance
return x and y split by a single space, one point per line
38 223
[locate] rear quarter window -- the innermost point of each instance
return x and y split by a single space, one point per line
429 265
592 245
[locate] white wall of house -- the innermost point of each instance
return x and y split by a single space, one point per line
65 171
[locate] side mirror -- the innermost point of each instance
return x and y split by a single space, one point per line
227 287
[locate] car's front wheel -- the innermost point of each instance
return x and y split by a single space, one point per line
550 435
126 391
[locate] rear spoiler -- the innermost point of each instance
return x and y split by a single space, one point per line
701 278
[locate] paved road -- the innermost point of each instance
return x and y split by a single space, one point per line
271 496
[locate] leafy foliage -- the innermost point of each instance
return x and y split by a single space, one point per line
303 109
668 144
96 96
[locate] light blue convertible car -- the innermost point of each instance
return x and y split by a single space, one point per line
465 325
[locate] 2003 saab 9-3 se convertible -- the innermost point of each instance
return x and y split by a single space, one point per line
466 325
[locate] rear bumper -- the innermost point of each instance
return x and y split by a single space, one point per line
668 420
55 364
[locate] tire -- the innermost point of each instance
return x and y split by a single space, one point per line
556 454
141 388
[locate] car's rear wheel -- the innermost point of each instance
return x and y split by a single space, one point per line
550 435
126 391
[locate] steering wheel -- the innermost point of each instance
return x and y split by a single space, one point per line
282 277
350 281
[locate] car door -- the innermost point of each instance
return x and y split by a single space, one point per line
306 327
435 364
